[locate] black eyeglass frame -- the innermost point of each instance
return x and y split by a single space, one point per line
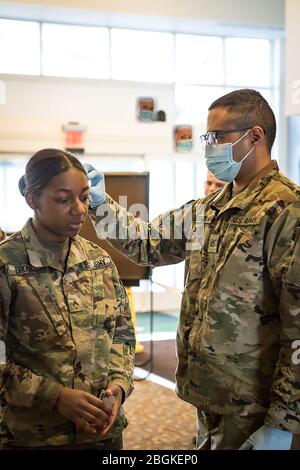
205 137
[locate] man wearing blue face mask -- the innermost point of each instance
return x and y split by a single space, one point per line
145 109
219 157
238 341
183 136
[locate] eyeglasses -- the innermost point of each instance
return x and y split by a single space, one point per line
211 138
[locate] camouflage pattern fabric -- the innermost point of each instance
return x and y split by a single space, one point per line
61 329
225 432
239 318
2 235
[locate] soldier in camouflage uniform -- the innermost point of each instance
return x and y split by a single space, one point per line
64 319
239 320
211 184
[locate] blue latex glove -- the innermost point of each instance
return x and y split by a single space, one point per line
268 438
97 190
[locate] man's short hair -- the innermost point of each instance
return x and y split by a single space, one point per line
249 108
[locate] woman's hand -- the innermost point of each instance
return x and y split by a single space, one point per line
116 392
89 413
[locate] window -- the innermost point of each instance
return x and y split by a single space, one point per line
13 209
161 200
184 182
19 47
192 103
142 56
173 184
199 65
199 59
164 275
161 187
75 51
201 172
248 62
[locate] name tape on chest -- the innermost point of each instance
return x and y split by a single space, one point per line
29 269
24 269
239 220
98 263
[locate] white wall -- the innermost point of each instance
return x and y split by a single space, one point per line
256 12
292 64
37 107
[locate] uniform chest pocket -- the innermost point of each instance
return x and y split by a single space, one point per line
38 317
242 268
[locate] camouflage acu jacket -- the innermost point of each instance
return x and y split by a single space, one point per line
2 235
69 329
239 318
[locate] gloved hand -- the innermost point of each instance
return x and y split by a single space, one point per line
268 438
97 190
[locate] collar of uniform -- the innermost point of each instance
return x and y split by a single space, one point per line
77 254
222 198
224 201
41 257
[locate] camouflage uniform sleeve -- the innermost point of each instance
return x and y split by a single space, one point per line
122 353
2 235
158 243
283 255
19 386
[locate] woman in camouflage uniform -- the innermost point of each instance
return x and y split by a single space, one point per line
64 321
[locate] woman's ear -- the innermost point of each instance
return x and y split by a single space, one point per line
31 200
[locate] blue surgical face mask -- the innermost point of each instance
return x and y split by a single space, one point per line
145 115
220 162
184 145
